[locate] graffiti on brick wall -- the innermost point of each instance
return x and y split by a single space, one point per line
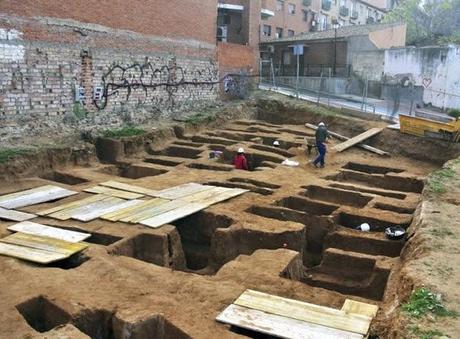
236 85
142 80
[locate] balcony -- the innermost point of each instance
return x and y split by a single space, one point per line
370 20
354 15
266 13
326 5
306 2
343 11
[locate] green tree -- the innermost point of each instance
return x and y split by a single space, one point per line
428 21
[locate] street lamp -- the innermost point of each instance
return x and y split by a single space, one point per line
335 25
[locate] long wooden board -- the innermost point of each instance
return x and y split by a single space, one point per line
279 326
153 211
173 215
127 187
72 204
357 139
34 196
133 210
15 215
44 243
113 192
344 138
203 195
357 307
223 196
97 212
68 213
30 254
48 231
178 192
295 309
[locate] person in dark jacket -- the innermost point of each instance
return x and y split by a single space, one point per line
321 136
240 161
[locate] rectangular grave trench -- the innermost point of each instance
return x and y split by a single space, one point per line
196 232
64 178
146 247
336 196
371 169
307 206
178 152
210 167
257 183
163 162
132 171
250 187
353 220
382 193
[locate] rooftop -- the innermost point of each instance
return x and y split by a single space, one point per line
342 32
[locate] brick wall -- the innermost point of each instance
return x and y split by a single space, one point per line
44 62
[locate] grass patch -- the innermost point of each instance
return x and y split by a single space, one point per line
423 301
199 118
437 179
10 153
127 131
79 111
425 334
454 113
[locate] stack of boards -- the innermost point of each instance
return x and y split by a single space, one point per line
41 244
288 318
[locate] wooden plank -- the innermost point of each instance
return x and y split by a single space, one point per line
34 196
30 254
153 211
72 204
96 213
295 309
48 231
357 307
130 188
15 215
173 215
44 243
342 137
198 197
143 206
113 192
279 326
223 196
68 213
357 139
178 192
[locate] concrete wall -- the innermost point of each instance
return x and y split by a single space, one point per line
45 61
434 69
390 37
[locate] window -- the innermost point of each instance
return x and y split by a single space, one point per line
267 30
305 15
286 57
279 32
322 22
291 9
280 5
291 32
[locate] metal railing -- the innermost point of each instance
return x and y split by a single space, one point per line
341 70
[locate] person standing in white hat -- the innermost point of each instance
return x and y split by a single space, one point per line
240 161
321 135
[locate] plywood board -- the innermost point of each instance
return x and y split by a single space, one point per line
173 215
15 215
72 204
127 187
44 243
68 213
48 231
30 254
178 192
133 210
34 196
113 192
295 309
279 326
223 196
97 212
357 139
357 307
153 211
200 196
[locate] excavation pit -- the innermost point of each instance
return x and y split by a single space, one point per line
255 183
178 152
382 193
354 166
200 166
394 208
42 314
188 143
252 188
163 162
132 171
271 149
210 140
64 178
102 239
336 196
295 132
196 233
146 247
95 323
377 225
307 206
72 262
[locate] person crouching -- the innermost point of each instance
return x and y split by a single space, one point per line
240 160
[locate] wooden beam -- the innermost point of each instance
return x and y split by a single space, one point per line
357 307
48 231
357 139
344 138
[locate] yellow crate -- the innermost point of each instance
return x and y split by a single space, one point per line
423 127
